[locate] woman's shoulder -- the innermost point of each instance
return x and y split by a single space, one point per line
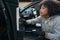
57 18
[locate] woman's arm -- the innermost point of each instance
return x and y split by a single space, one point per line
56 34
33 21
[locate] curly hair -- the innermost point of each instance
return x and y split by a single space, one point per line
53 7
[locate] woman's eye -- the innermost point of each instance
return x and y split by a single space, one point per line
42 8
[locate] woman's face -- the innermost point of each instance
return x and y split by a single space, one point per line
43 11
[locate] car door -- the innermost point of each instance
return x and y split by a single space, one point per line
8 8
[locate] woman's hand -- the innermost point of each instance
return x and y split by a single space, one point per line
46 34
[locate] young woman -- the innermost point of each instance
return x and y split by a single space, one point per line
49 18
